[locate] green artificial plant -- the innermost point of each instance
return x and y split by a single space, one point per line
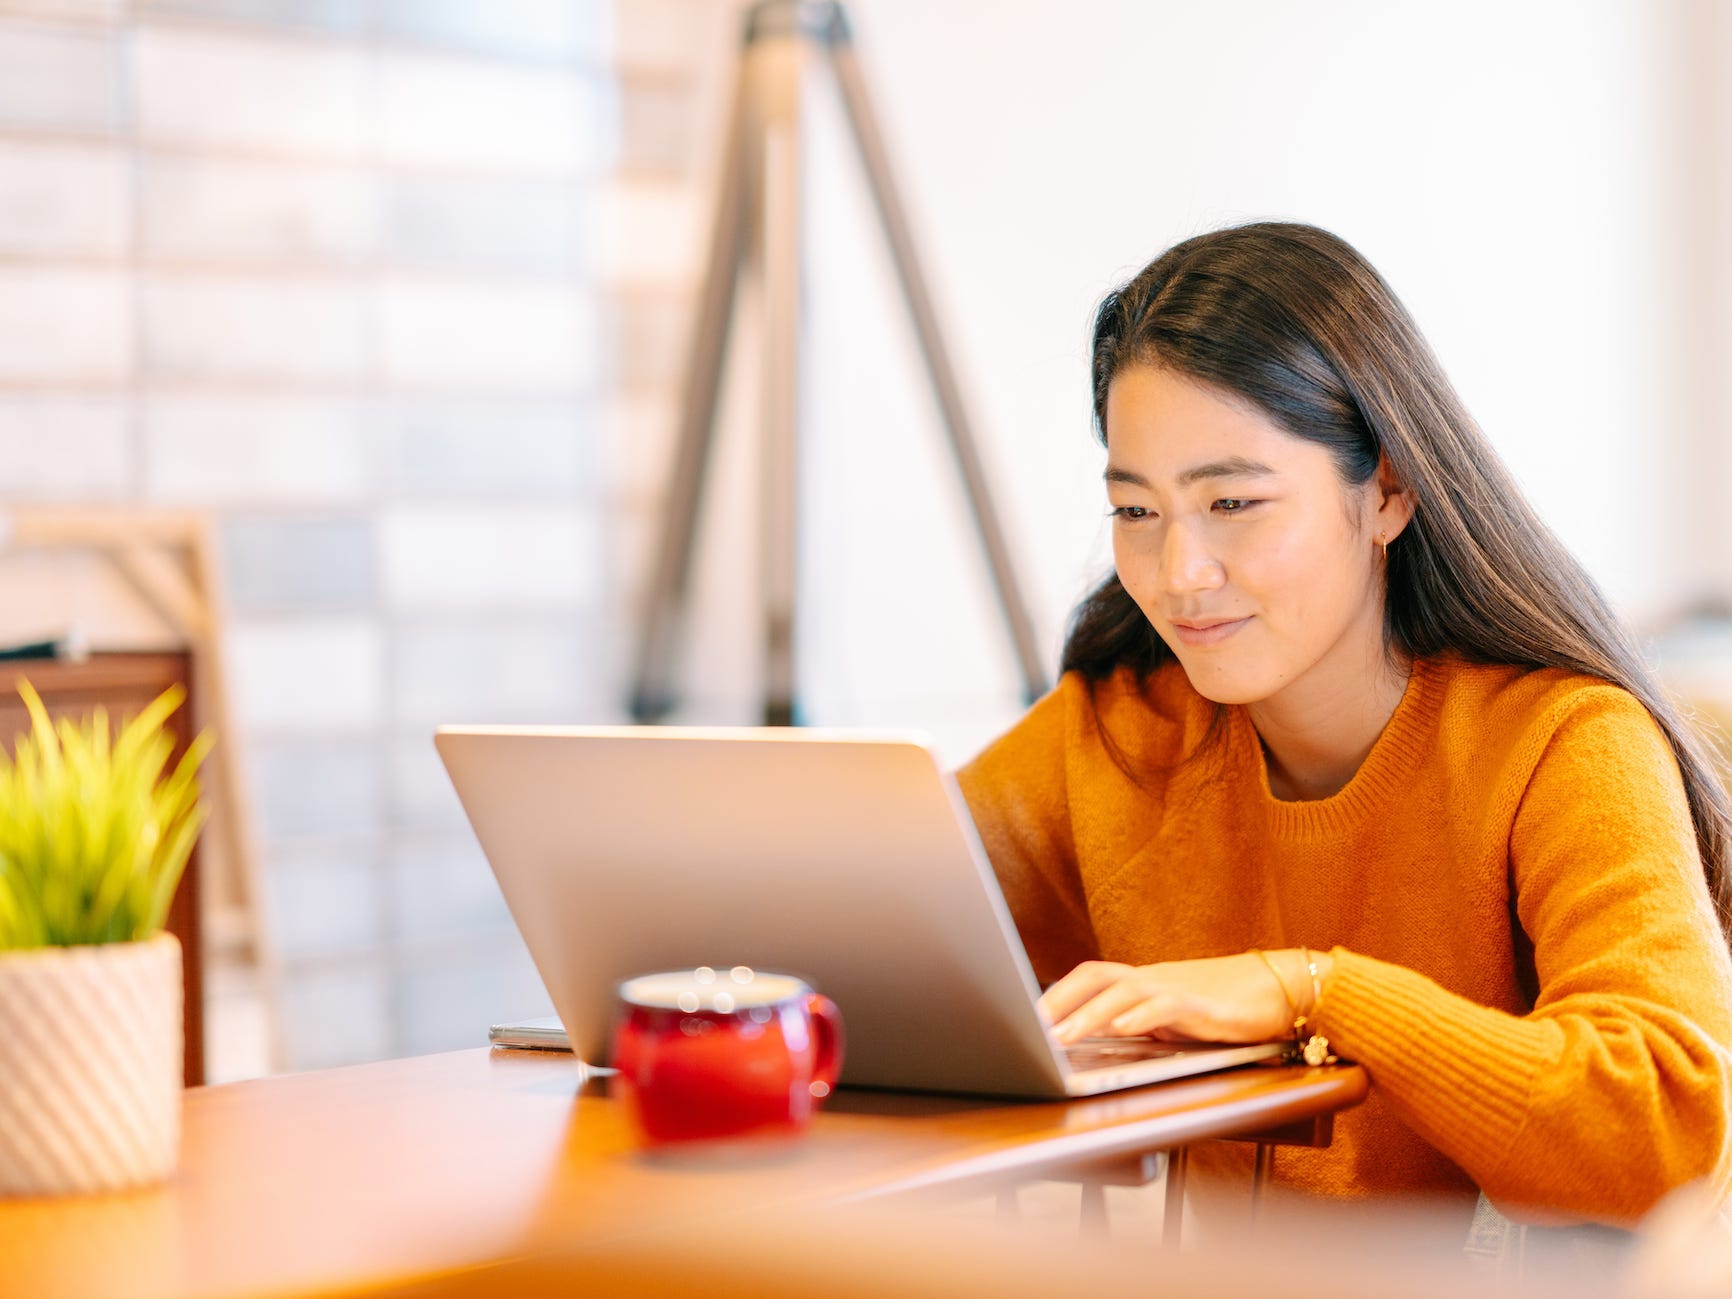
94 834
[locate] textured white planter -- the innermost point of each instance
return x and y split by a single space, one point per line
90 1067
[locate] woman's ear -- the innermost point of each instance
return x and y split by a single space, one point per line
1395 503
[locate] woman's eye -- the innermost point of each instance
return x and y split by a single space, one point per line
1233 504
1131 512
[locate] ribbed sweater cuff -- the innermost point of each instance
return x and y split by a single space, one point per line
1462 1074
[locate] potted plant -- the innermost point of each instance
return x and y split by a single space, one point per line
95 831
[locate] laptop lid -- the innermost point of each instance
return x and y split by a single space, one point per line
845 857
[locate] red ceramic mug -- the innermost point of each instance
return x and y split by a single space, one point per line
703 1053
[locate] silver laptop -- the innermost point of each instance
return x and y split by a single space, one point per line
845 857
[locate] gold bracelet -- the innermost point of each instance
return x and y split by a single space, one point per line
1316 983
1298 1019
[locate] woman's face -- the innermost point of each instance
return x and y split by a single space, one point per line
1240 542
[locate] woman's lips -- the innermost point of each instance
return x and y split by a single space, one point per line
1213 634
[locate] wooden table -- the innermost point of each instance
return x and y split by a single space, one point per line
386 1174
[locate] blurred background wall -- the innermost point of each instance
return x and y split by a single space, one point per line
399 290
343 273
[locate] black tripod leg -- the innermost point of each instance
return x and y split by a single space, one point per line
896 232
652 693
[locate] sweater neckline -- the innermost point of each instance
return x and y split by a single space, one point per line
1387 769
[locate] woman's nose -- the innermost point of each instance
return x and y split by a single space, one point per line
1187 562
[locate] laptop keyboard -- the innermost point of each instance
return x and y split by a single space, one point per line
1104 1053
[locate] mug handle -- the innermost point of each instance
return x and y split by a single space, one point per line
827 1042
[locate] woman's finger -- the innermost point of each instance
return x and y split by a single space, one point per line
1095 1016
1146 1016
1079 986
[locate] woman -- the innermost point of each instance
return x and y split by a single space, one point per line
1349 748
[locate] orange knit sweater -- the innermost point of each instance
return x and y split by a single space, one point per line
1526 958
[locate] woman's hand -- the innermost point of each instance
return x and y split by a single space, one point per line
1218 999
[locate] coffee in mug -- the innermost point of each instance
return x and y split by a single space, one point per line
706 1053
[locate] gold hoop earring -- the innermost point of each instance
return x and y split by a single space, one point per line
1384 542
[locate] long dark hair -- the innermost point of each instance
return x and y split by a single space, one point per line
1293 319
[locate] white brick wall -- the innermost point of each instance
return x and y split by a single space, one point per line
346 274
468 223
464 447
285 329
319 788
62 79
60 200
256 449
421 796
441 887
465 334
437 111
340 1011
337 17
328 900
300 562
219 90
90 9
490 558
541 30
209 211
64 448
448 996
61 325
307 676
505 670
